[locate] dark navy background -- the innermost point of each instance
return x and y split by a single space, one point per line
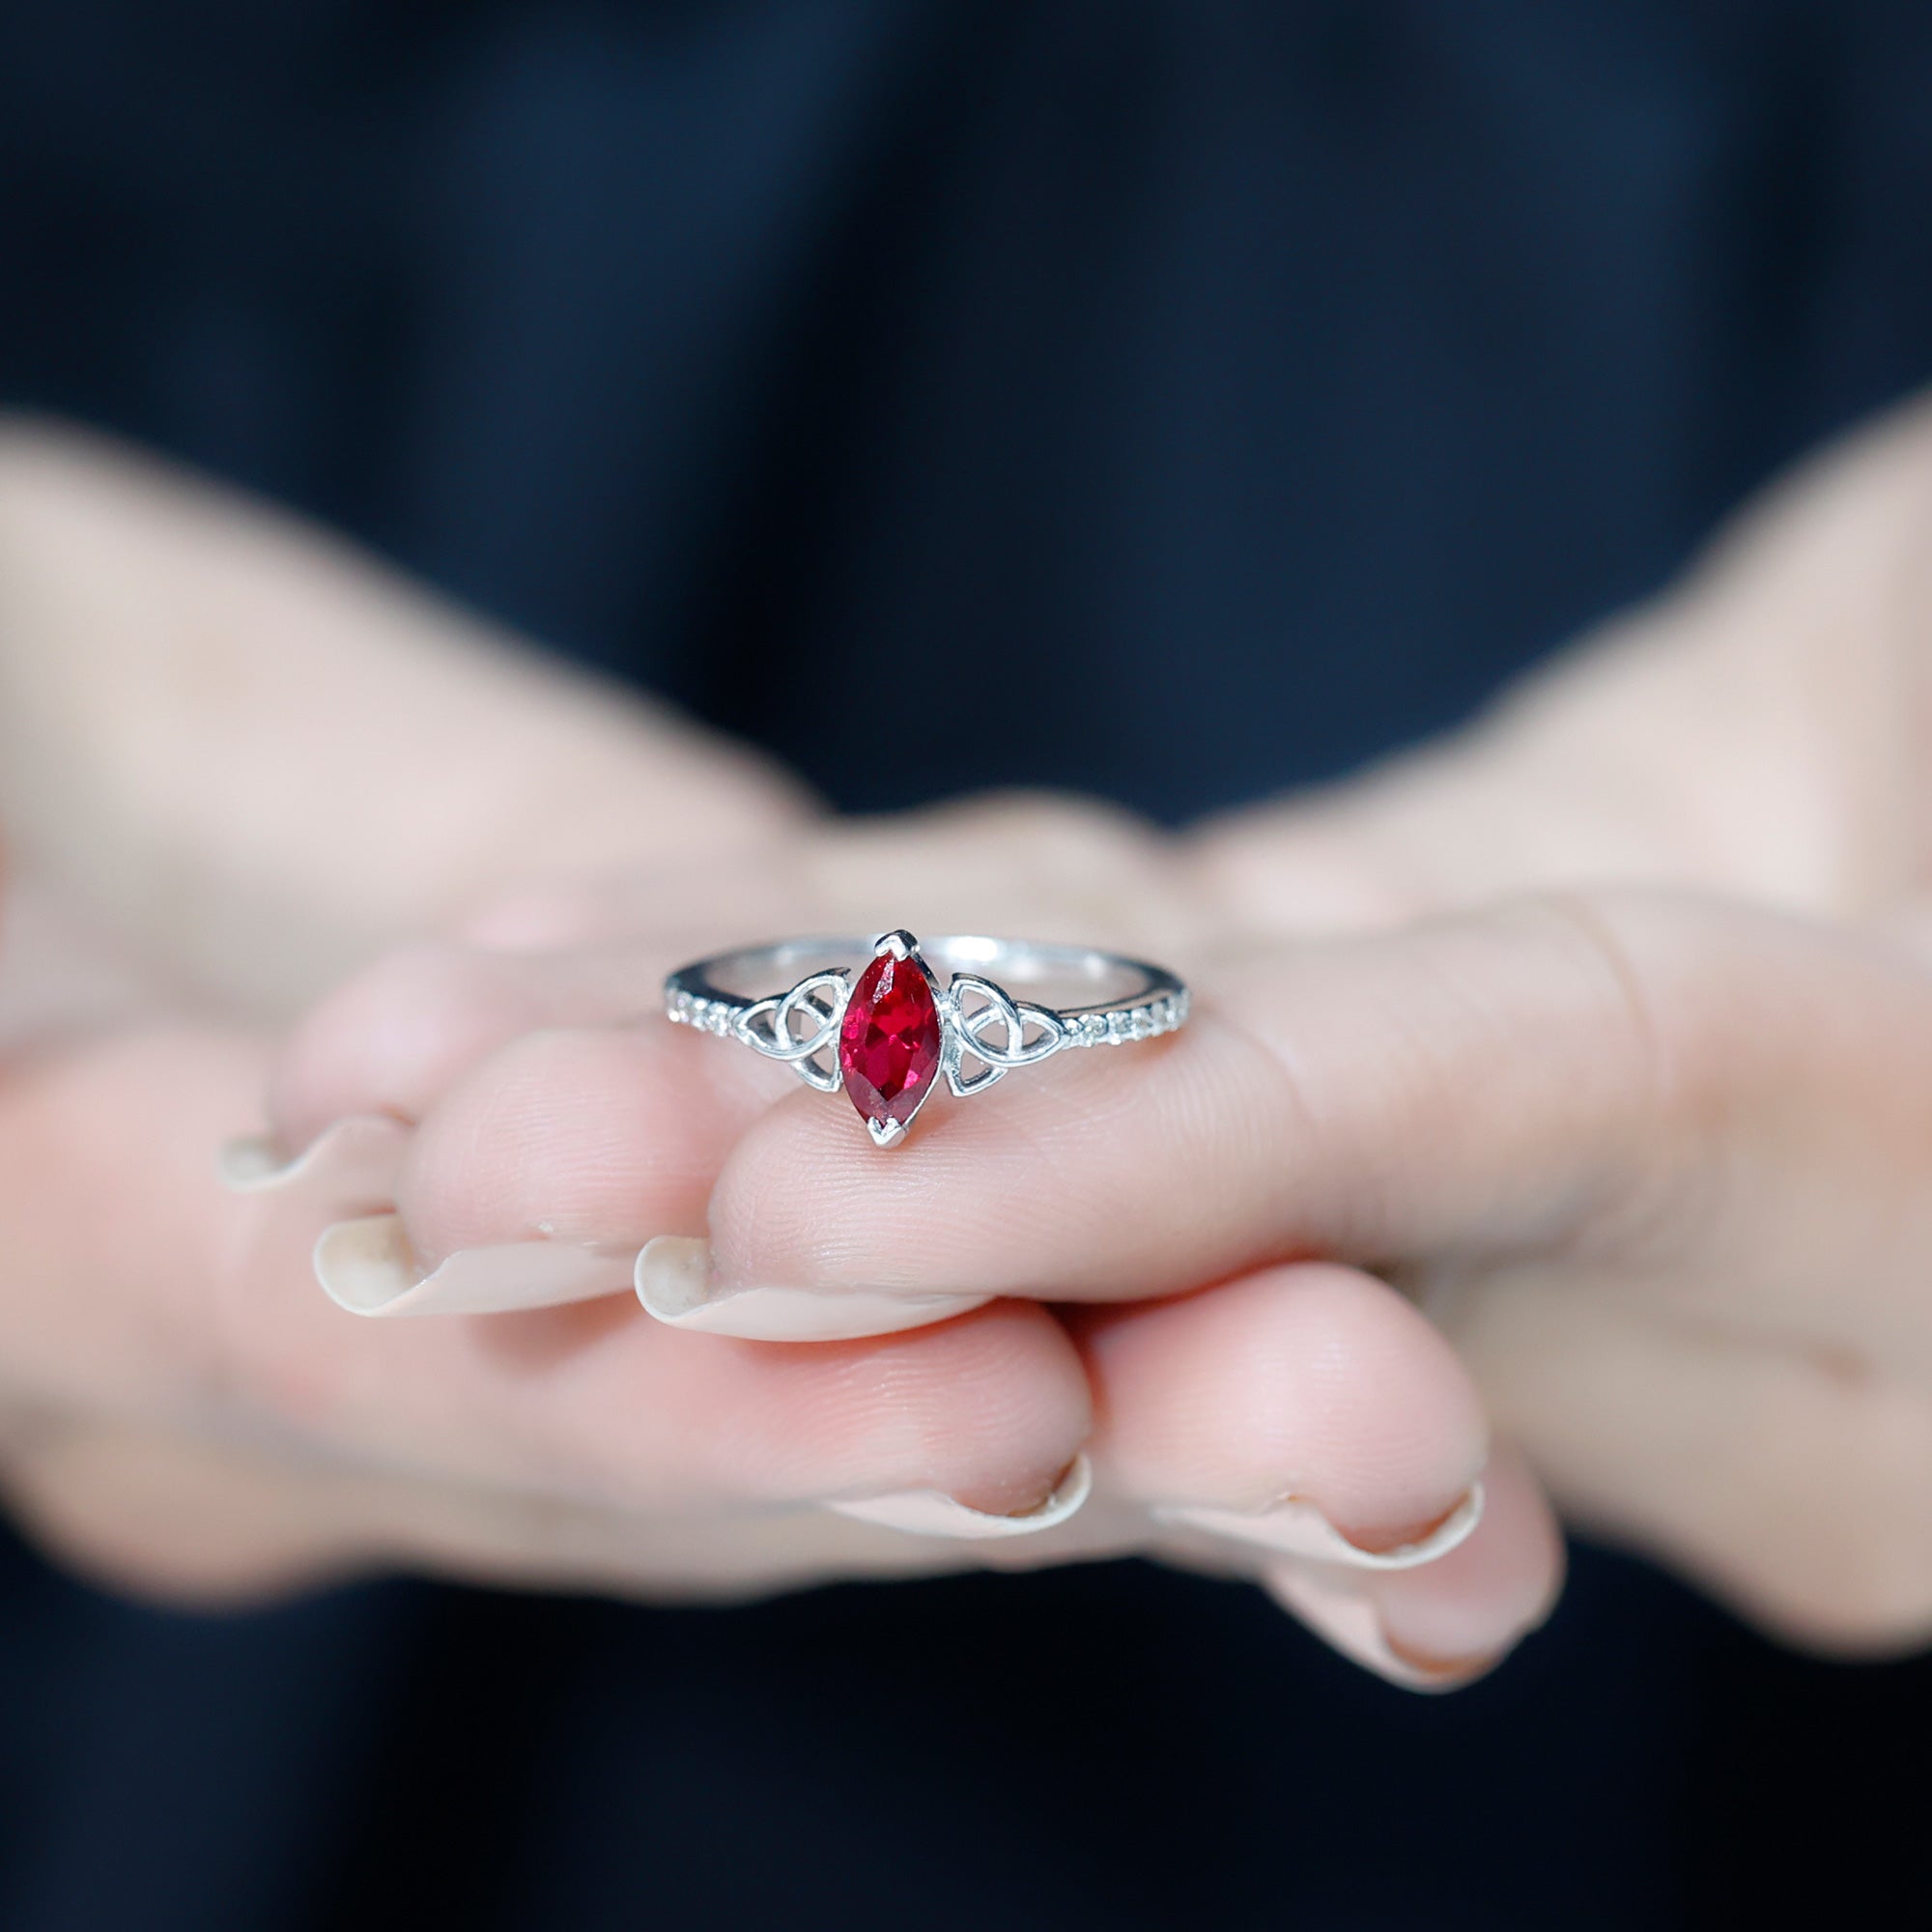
1262 381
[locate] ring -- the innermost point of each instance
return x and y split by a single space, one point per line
887 1036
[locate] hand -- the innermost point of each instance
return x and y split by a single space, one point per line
558 1133
181 1413
1759 732
232 756
1656 1163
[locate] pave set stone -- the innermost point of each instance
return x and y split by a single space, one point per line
1146 1021
717 1016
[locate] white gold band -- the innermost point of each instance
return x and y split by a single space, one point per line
1085 997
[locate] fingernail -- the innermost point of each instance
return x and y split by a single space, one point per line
367 1267
1349 1619
933 1513
674 1282
1297 1528
1452 1632
353 1159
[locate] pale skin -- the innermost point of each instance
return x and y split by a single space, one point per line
1600 1030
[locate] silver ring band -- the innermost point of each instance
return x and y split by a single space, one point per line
872 1017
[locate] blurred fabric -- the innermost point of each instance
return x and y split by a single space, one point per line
1239 389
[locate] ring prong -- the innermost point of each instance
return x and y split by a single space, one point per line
902 944
885 1133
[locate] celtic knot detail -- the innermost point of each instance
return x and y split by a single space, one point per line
770 1025
971 1028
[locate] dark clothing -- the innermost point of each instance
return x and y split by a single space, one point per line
1262 381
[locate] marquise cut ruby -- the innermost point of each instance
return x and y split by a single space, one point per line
889 1044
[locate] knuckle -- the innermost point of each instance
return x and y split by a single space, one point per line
1655 983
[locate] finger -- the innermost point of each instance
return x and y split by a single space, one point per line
967 1431
136 1286
1441 1627
186 1519
385 1050
392 1040
177 1518
1307 1409
559 1147
1640 1070
1357 1099
544 1170
352 1163
551 1164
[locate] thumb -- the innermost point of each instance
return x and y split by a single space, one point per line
254 754
1758 731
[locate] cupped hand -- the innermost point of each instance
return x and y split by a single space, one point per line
252 758
233 757
1650 1158
1759 732
1706 743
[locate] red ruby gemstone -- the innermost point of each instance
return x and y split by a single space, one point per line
889 1044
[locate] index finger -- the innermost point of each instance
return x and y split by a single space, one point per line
1473 1088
